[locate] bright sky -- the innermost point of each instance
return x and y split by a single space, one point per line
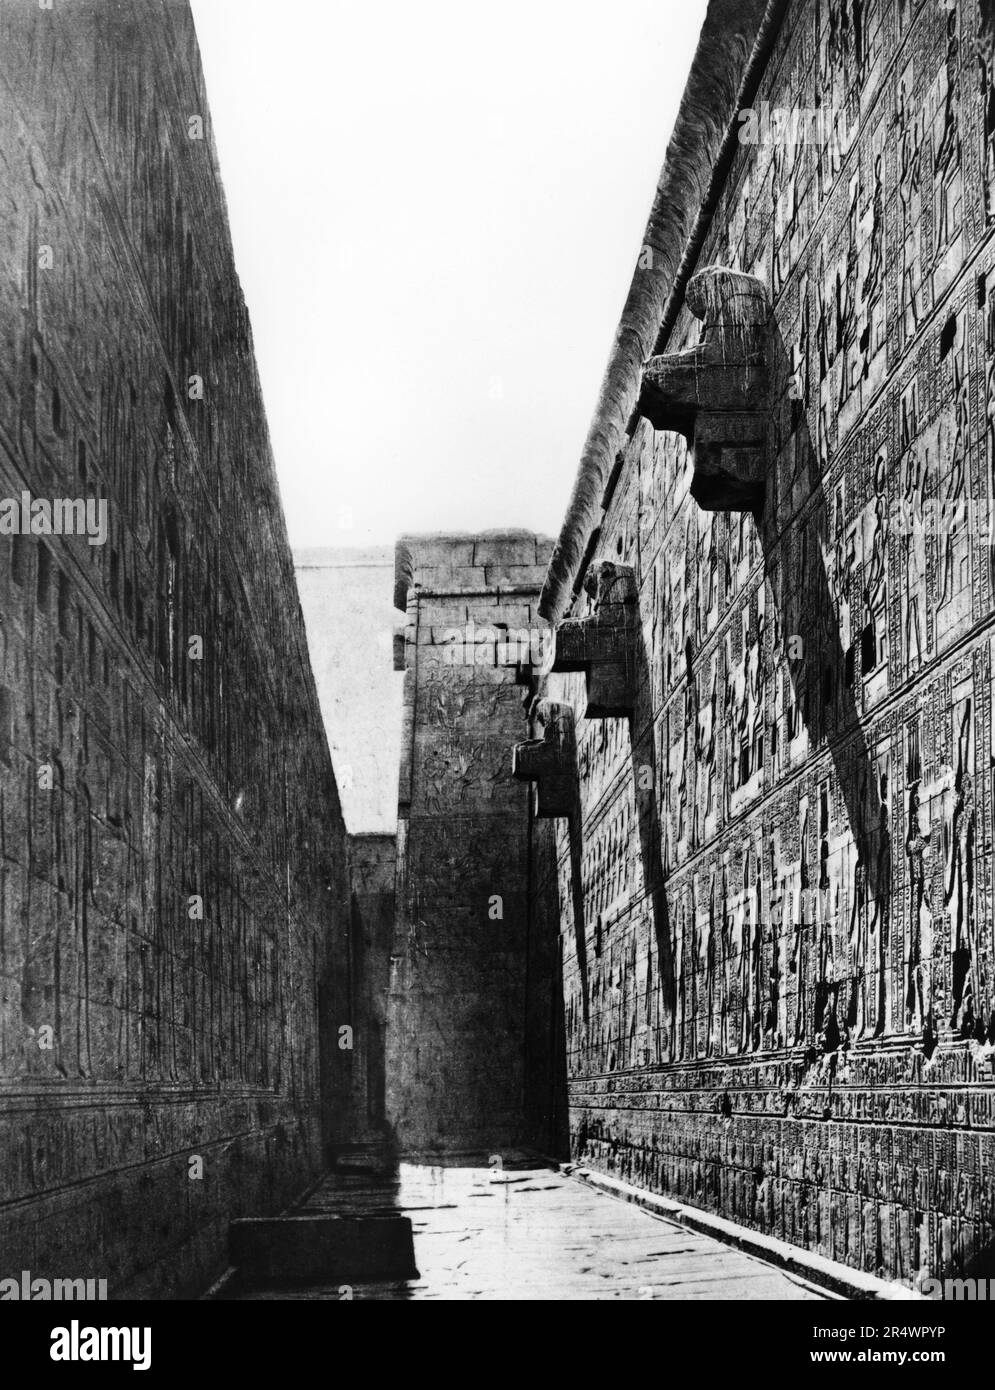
437 206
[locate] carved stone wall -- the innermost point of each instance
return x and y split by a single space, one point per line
172 866
777 900
461 990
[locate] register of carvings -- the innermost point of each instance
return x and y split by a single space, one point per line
780 967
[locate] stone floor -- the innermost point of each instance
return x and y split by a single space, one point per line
535 1233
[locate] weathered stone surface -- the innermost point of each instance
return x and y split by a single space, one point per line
172 897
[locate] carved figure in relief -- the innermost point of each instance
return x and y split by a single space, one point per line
776 216
828 1030
857 946
846 296
823 324
947 155
800 926
682 787
990 401
918 993
759 689
909 195
879 924
953 450
708 967
875 635
772 1020
913 558
986 91
743 696
875 263
960 880
800 357
711 569
705 743
726 949
677 954
754 1017
745 935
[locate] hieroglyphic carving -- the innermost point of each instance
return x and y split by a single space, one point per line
824 727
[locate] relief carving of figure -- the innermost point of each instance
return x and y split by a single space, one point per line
960 883
947 155
909 194
918 993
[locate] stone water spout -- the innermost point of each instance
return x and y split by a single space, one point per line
716 393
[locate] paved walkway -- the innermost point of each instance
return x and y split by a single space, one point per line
538 1234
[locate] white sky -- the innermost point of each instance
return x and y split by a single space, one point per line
437 206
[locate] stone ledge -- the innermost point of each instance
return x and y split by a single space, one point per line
817 1269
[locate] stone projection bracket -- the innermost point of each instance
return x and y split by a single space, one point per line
716 394
604 644
550 761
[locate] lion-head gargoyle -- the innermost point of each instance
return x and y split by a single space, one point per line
604 643
716 394
549 761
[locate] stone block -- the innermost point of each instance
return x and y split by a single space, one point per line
308 1248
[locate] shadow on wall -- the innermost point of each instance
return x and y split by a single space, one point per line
642 743
546 1101
824 682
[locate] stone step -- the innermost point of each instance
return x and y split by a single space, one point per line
352 1248
362 1158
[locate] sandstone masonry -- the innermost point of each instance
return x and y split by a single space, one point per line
776 891
172 853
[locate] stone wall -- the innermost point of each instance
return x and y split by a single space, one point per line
460 986
171 845
776 892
